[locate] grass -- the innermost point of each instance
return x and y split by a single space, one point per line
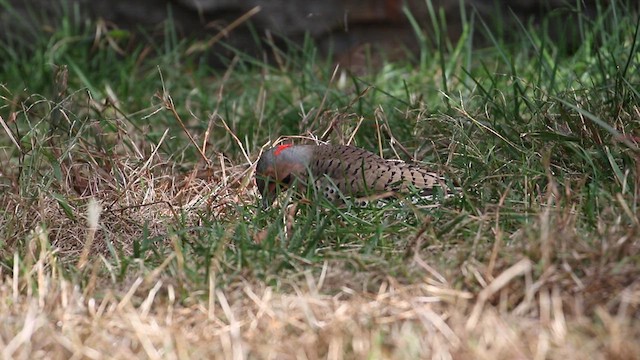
130 225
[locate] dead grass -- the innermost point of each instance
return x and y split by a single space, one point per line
512 308
48 316
136 233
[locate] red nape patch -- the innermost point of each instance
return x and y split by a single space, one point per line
279 148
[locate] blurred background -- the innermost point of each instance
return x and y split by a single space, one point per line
353 32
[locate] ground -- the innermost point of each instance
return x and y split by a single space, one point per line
131 226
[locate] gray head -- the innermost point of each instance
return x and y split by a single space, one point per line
278 167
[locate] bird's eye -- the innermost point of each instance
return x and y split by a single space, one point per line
287 180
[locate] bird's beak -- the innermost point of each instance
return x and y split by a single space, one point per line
265 202
268 198
267 191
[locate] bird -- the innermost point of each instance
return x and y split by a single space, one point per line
337 170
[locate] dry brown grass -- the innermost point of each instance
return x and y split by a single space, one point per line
547 287
45 315
509 310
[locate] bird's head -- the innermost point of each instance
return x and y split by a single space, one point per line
279 167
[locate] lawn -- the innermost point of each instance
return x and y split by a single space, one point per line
130 225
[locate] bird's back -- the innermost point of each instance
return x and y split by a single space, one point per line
357 171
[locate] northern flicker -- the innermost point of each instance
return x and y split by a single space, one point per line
338 168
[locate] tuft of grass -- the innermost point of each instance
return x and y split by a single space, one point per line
536 257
